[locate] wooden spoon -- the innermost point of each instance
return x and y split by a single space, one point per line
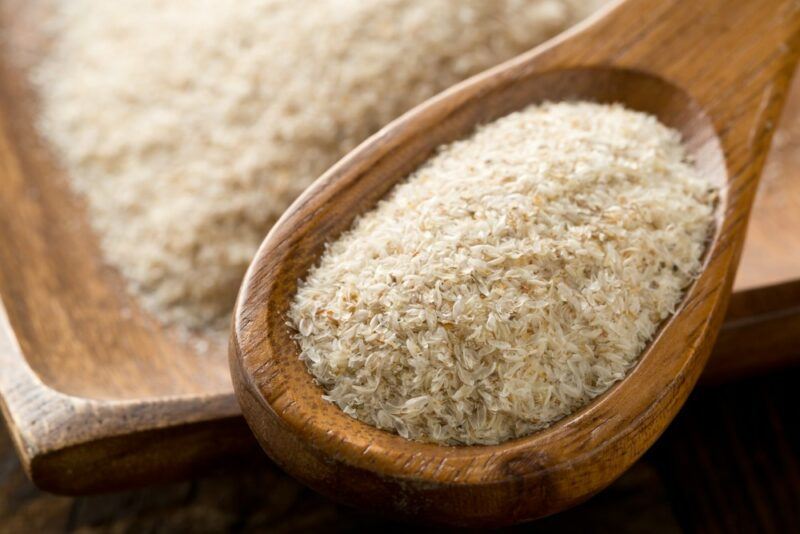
717 71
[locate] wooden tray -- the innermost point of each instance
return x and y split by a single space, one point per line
97 396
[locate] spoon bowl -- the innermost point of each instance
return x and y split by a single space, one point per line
724 113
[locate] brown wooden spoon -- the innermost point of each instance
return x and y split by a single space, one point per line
717 71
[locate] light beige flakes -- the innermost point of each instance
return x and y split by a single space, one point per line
190 125
512 278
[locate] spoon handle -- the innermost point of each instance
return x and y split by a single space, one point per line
726 53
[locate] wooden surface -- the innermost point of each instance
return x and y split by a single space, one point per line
772 249
727 123
88 380
760 333
728 463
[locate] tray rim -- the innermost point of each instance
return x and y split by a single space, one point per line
44 422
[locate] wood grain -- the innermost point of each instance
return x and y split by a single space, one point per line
731 461
261 498
759 334
669 66
89 380
722 466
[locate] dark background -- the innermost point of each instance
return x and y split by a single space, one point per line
730 462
